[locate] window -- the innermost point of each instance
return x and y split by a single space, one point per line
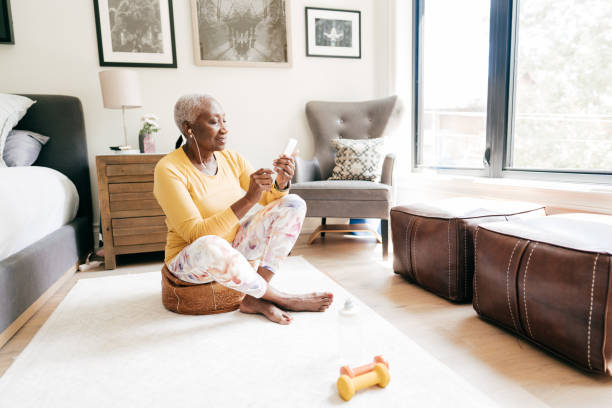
455 58
507 87
563 83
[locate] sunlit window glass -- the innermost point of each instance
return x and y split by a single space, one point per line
563 88
455 54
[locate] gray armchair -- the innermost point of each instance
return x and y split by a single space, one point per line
347 198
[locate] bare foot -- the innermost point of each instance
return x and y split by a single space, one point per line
309 302
259 306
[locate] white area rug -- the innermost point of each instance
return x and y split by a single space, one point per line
111 343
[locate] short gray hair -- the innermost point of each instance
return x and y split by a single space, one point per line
188 107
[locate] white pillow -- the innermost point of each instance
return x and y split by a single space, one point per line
12 109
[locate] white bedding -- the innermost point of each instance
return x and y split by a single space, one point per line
34 201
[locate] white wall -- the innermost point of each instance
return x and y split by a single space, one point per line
56 52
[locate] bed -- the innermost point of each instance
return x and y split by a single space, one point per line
30 274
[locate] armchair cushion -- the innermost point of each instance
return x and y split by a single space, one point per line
342 190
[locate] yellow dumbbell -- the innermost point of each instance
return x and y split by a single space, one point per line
347 386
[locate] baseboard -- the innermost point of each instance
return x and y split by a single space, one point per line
10 331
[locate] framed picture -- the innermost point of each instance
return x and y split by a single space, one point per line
6 23
241 32
333 33
135 33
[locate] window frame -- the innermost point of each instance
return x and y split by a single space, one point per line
503 42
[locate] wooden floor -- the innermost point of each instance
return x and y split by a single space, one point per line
509 370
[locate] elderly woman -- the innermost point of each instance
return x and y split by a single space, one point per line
205 190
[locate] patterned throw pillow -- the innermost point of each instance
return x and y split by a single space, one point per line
358 159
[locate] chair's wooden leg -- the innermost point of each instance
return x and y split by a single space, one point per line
323 222
384 229
315 234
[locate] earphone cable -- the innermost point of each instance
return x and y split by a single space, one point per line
199 154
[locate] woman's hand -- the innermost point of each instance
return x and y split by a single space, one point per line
261 181
285 168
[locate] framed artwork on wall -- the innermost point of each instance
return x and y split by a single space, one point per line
333 33
135 33
6 23
241 32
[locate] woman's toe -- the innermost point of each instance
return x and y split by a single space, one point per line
287 317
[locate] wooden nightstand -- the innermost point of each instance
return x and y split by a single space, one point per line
132 221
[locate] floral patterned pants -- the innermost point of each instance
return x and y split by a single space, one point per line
264 239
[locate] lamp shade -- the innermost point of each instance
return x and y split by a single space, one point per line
120 89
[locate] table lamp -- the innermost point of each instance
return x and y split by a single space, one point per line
121 90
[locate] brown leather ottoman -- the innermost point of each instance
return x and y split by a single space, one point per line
433 242
189 298
548 279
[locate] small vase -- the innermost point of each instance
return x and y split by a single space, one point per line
146 142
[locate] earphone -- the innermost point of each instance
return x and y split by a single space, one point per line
198 147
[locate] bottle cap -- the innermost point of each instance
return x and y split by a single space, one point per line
349 308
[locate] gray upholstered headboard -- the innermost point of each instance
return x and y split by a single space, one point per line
61 118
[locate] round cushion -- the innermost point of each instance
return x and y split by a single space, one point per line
197 299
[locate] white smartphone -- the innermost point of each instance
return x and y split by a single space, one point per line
290 147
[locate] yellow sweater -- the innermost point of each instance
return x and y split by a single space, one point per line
196 204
